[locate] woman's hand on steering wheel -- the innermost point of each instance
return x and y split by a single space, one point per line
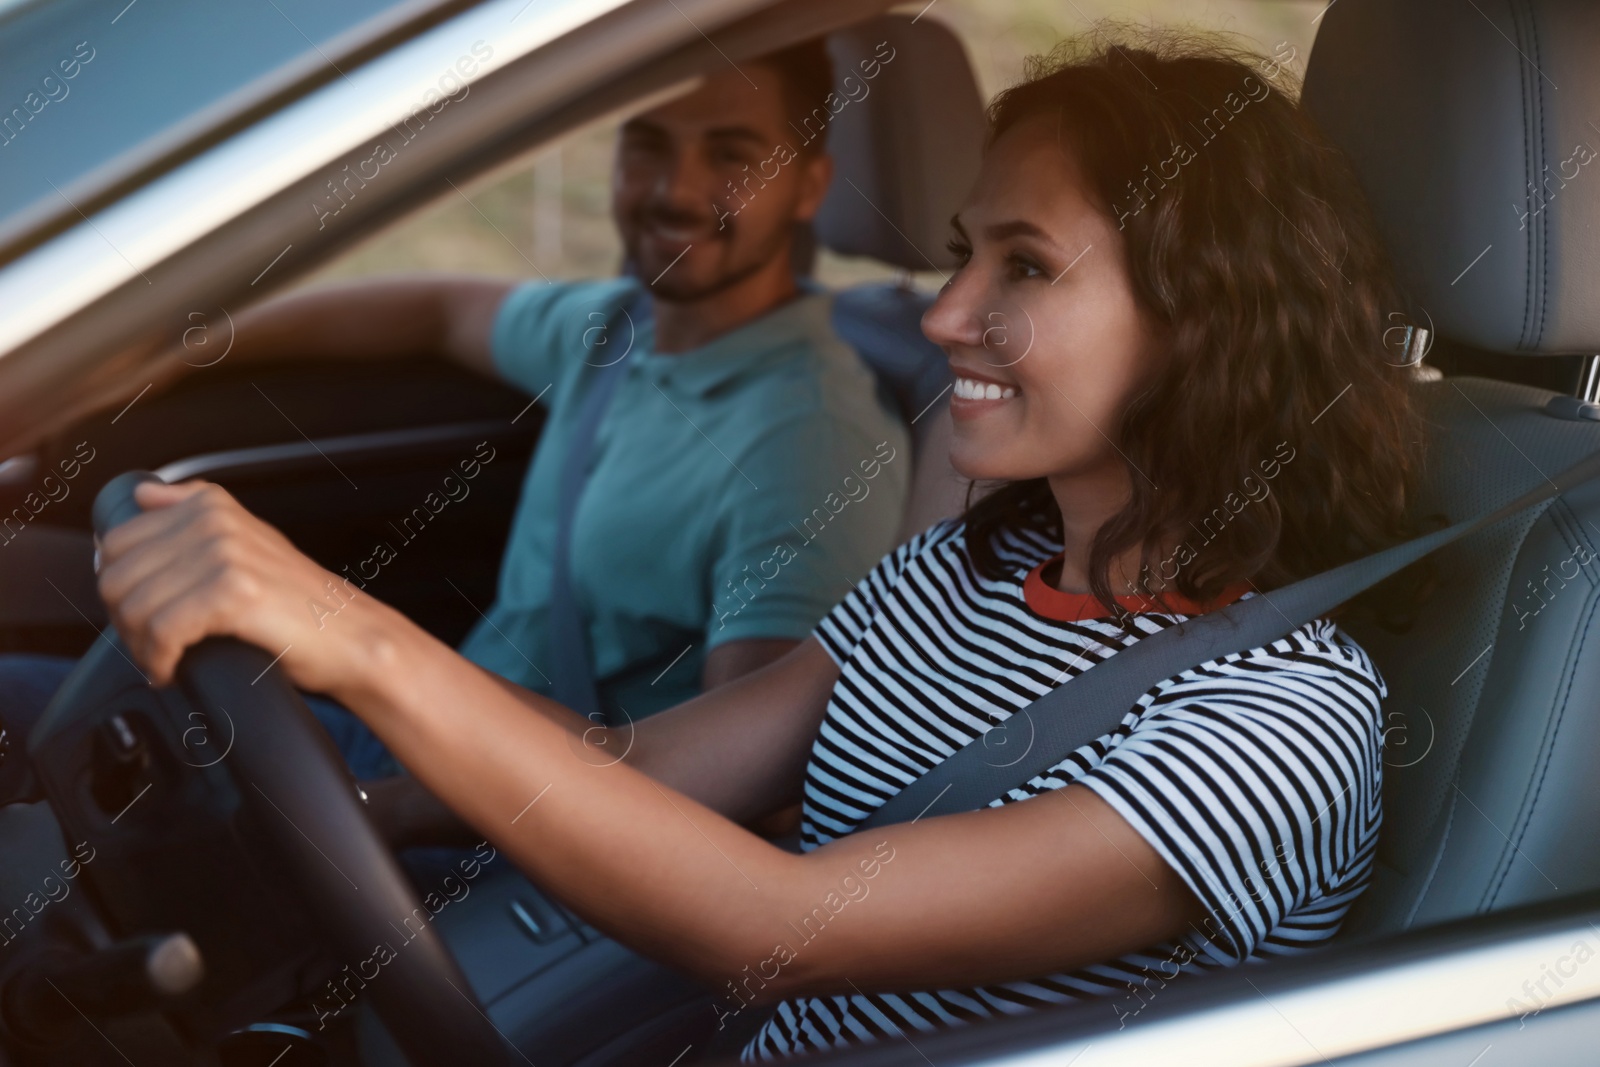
196 564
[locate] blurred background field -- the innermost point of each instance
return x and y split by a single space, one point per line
550 216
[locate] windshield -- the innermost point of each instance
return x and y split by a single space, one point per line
91 93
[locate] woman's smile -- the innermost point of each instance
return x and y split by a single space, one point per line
975 394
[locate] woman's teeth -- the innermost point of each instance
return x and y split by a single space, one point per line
972 389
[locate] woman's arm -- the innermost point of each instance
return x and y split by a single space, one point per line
714 748
1050 883
994 895
668 749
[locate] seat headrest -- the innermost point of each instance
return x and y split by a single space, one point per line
905 141
1472 129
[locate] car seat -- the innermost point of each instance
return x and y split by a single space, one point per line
905 155
1478 170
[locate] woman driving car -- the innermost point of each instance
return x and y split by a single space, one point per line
1167 337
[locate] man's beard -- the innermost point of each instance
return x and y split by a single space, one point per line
679 288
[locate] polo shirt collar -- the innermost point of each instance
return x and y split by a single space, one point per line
740 352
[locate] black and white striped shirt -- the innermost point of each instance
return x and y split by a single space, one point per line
1255 777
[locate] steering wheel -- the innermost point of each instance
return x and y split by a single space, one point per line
287 769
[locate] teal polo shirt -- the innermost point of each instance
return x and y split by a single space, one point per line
735 491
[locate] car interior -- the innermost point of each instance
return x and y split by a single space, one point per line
1489 790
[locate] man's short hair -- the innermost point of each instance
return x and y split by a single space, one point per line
806 71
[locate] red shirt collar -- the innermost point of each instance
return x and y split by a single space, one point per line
1046 600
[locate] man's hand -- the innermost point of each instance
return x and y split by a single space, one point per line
197 564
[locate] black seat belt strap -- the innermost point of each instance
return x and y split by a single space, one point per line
1093 703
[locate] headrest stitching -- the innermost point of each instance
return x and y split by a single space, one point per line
1531 156
1544 229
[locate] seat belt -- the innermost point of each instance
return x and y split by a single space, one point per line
572 681
1094 703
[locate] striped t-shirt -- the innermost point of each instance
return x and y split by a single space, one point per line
1256 777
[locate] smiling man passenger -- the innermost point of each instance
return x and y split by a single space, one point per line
728 501
745 472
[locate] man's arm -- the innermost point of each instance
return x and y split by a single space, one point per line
406 315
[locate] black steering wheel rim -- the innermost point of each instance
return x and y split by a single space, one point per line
289 772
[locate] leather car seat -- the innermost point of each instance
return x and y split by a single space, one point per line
906 150
1485 180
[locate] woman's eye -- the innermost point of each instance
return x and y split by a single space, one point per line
958 249
1023 267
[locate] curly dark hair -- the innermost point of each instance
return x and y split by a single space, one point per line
1248 240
